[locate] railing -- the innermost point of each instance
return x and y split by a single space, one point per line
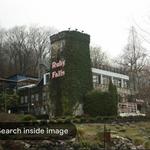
104 87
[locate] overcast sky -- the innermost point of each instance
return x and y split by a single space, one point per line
107 21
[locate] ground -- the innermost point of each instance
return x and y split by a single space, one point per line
139 132
92 133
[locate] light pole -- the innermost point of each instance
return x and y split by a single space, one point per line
32 108
5 107
5 101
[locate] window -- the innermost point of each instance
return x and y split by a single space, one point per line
117 82
46 78
47 95
106 80
125 83
95 78
32 98
26 99
44 96
36 97
22 100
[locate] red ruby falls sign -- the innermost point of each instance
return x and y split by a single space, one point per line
58 69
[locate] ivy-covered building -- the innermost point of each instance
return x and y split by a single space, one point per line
70 71
61 91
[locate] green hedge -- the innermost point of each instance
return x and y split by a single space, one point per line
99 103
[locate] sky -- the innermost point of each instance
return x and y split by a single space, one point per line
107 21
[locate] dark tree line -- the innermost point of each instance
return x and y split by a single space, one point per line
23 49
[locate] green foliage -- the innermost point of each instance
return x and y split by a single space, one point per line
147 145
66 106
27 118
99 103
10 99
114 97
138 141
100 135
66 91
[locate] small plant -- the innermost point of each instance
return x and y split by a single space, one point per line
138 141
147 145
28 118
100 135
123 129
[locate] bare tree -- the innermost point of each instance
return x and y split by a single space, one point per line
98 57
2 56
133 59
40 44
25 48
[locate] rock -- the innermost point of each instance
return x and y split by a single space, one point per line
131 146
113 132
140 147
48 142
26 145
113 123
122 130
121 124
127 123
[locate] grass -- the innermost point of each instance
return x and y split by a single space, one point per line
139 132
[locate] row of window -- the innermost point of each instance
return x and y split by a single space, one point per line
34 97
98 79
128 108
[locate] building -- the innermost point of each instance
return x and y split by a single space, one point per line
34 93
71 75
69 79
102 76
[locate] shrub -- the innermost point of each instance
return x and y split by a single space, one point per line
99 103
100 135
138 141
123 129
147 145
28 118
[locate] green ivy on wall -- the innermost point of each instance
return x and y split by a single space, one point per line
66 91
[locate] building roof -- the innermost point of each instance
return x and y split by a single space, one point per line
27 86
19 78
113 69
110 73
6 80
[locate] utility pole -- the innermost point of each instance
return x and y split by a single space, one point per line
104 136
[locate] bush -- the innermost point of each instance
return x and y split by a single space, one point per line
123 129
27 118
100 135
42 117
99 103
138 141
147 145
